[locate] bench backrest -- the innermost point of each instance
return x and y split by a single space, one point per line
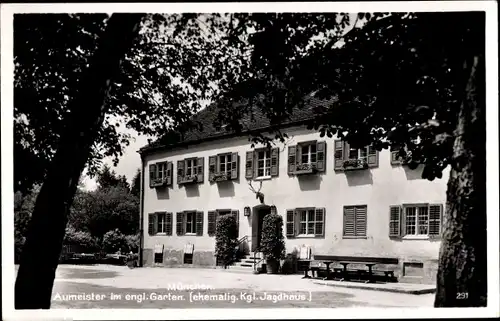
380 260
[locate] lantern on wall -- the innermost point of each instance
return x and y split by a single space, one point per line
273 210
246 211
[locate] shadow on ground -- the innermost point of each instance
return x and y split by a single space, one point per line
64 296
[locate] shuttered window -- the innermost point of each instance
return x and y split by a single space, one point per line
305 222
160 174
223 167
347 157
190 170
190 223
415 220
160 223
355 221
262 163
307 156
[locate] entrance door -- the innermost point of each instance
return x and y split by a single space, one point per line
257 220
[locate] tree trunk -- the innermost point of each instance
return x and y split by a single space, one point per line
40 256
462 278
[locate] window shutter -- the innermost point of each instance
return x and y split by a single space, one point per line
168 224
320 222
234 166
361 220
435 219
152 174
395 160
339 154
151 224
349 221
180 171
236 214
168 175
372 159
395 221
292 159
199 223
211 222
275 161
180 223
201 169
320 156
212 164
290 223
249 165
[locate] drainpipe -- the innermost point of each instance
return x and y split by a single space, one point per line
141 214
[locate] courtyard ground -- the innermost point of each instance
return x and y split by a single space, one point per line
104 286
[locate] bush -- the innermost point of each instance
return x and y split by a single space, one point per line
226 239
83 240
272 243
114 241
132 243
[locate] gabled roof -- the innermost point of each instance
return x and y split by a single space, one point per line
258 122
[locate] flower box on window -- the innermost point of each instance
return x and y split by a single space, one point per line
189 179
306 169
219 177
353 164
159 182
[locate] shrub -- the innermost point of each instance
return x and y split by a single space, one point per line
83 240
226 239
132 243
272 243
113 241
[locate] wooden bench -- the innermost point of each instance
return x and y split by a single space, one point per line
360 273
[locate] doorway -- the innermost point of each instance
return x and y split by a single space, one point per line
259 212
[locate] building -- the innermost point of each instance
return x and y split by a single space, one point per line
335 199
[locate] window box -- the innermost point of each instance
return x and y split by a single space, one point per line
189 179
159 182
306 169
354 164
219 177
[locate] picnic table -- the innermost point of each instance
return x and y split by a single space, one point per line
368 264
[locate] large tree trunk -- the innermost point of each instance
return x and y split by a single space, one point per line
462 278
40 256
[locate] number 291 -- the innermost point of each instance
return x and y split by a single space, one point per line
462 295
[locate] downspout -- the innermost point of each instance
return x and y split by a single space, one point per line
141 214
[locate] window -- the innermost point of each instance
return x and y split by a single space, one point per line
190 170
160 223
161 220
415 220
225 164
262 163
305 222
347 157
189 223
191 167
223 167
308 154
306 157
160 174
355 221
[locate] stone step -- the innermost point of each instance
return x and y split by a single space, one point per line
239 269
